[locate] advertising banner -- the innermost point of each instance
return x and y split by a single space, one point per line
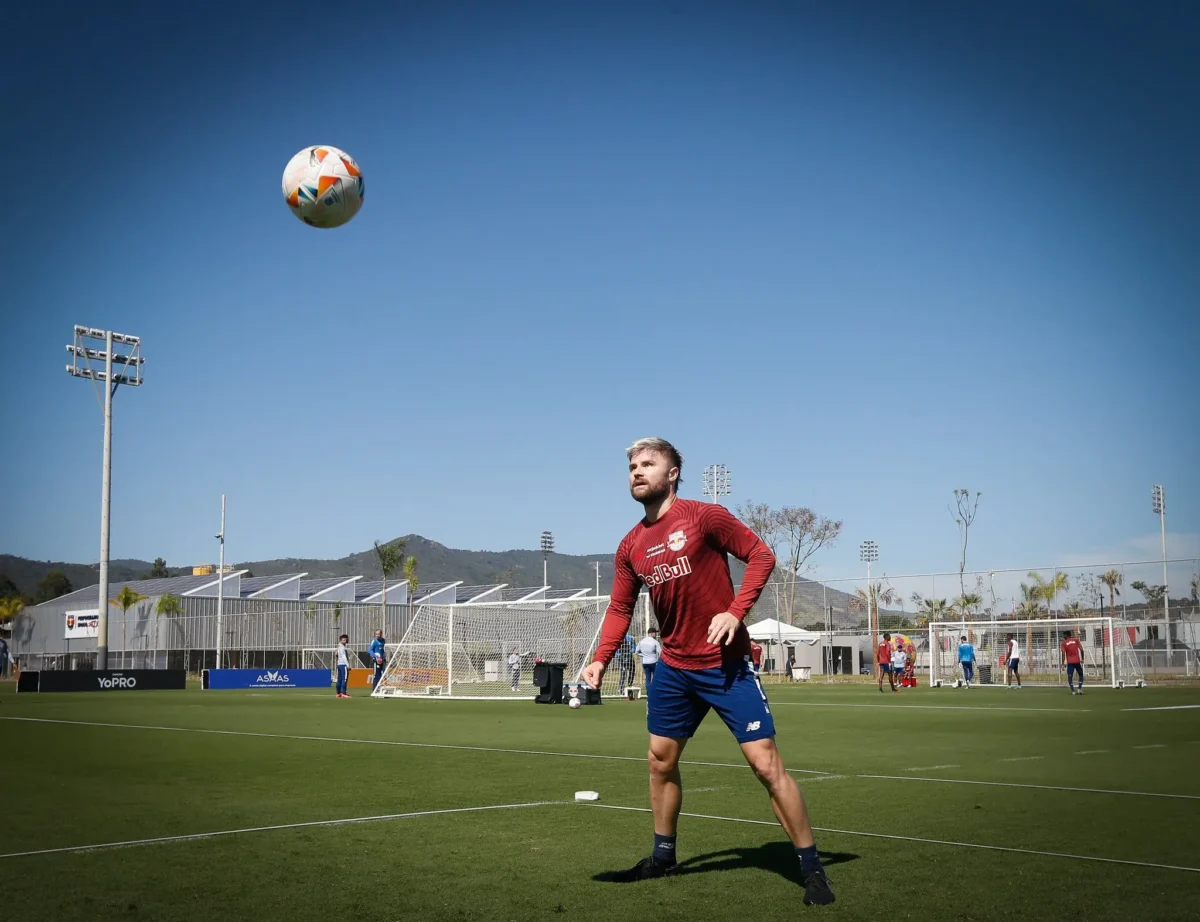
108 680
82 624
267 678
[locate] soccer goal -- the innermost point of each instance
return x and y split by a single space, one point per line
463 651
1108 656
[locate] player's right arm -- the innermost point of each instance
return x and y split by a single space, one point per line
617 618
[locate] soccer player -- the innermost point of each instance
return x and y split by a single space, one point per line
649 650
1013 659
966 659
514 666
343 665
883 662
756 653
899 658
1071 652
377 651
679 550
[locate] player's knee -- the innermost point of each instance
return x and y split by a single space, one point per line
663 763
767 766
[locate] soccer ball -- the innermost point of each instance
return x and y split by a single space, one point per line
323 186
575 702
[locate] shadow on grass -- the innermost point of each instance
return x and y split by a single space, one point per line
779 857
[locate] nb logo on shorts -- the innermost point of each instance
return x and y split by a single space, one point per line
753 725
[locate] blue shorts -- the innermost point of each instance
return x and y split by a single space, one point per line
968 671
679 699
1015 664
885 667
1074 668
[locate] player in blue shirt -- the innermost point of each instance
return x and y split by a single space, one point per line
377 652
966 659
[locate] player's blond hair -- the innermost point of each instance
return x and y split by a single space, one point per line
663 447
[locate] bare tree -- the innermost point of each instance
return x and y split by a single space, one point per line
796 529
967 505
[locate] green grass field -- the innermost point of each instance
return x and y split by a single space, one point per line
963 805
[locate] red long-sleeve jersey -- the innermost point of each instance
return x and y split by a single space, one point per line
682 559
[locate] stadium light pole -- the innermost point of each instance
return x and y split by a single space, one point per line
868 552
547 550
596 564
1158 501
129 372
716 481
220 579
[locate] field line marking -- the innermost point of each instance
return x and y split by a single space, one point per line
104 846
1089 752
880 835
929 768
1022 759
1152 746
341 739
1036 787
1168 707
923 707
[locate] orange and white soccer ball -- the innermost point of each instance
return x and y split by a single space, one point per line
323 186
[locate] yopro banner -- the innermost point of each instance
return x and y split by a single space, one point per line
106 680
267 678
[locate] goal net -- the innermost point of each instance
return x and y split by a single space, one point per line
464 651
1108 655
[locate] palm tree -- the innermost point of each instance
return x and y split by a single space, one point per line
1112 579
391 558
10 608
1048 589
967 604
169 605
410 574
929 609
125 600
873 595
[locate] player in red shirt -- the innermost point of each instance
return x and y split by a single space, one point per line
679 551
756 653
883 662
1072 654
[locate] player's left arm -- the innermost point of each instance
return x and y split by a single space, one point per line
725 533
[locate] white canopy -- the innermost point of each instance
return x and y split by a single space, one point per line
778 632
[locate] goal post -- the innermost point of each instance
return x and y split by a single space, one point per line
1108 655
467 650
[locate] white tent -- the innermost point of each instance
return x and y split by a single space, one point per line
774 631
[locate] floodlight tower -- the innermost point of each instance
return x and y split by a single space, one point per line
220 579
1158 502
547 550
868 552
716 481
128 371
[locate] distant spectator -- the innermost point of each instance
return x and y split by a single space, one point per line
4 655
756 654
624 657
791 663
378 652
343 665
649 650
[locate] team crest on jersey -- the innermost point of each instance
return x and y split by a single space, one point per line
676 540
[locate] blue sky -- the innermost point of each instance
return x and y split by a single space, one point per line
861 253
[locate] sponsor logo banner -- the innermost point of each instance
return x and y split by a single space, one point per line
267 678
82 624
110 680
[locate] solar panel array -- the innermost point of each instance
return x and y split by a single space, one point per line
466 593
310 587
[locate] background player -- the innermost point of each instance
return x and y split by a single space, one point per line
649 650
1071 653
883 661
377 651
966 659
679 551
1013 660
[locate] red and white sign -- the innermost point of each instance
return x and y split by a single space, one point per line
80 624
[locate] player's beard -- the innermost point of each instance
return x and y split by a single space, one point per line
648 494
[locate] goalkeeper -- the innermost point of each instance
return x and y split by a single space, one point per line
679 551
377 651
514 666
